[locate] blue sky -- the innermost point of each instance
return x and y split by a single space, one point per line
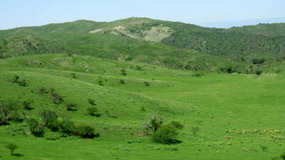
220 13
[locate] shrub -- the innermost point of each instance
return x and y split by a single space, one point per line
56 98
263 148
282 156
195 130
42 90
35 127
86 131
257 61
166 134
67 127
138 68
48 116
12 147
92 102
73 75
177 125
8 111
258 72
143 109
100 81
93 111
122 81
154 124
71 107
197 75
54 125
146 83
17 80
123 72
27 104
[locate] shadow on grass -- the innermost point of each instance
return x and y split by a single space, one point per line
18 155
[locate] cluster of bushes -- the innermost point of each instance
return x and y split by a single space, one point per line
64 126
258 61
17 80
165 134
9 111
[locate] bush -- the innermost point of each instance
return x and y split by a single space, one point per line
35 127
71 107
86 131
27 104
177 125
258 72
92 102
8 111
42 90
146 83
56 98
123 72
100 81
17 80
195 130
67 127
282 156
73 75
257 61
12 147
166 134
138 68
122 81
93 111
154 124
48 116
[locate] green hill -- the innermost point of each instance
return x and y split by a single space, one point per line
232 43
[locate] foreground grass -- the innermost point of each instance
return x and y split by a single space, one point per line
237 115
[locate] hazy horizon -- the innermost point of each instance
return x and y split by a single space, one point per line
219 14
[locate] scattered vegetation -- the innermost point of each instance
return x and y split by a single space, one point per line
17 80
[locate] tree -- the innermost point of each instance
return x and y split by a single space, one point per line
12 147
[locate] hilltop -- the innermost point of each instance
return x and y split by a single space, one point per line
234 43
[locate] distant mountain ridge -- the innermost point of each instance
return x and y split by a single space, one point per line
135 38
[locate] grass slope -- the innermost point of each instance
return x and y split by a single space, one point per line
237 114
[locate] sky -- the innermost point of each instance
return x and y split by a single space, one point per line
210 13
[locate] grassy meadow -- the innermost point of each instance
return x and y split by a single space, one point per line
225 116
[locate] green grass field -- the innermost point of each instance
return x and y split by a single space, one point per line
239 116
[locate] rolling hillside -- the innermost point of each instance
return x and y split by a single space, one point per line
224 115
